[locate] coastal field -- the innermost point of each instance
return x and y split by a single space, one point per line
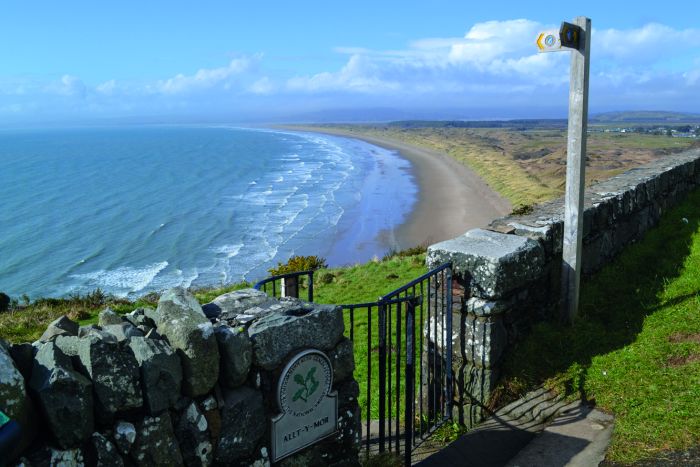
524 166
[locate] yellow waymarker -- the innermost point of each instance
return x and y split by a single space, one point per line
549 41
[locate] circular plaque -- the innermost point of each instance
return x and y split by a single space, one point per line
305 381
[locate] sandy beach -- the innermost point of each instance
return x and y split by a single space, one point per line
452 198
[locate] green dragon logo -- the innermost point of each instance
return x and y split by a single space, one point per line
308 385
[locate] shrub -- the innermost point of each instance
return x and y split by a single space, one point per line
522 210
299 263
413 251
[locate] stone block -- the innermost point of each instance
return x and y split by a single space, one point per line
236 353
478 383
242 426
107 317
122 331
64 395
124 436
114 372
192 432
155 443
275 335
62 326
181 320
497 263
228 305
343 360
14 401
161 372
485 340
101 452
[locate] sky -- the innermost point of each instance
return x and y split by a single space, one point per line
233 61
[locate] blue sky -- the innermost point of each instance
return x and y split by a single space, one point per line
303 60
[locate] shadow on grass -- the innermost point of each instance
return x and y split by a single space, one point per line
614 304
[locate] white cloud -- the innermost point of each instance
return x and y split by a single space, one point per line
263 86
358 75
491 40
68 85
645 44
204 78
107 87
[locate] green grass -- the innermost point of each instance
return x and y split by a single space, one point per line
635 348
360 284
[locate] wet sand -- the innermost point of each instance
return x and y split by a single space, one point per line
451 200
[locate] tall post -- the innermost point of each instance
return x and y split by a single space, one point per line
575 171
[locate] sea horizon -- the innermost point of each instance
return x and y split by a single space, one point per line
134 209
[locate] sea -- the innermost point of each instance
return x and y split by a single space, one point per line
132 210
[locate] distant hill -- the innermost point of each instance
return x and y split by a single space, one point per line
645 116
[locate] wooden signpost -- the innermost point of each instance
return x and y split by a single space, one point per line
576 38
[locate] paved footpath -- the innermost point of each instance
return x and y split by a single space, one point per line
538 430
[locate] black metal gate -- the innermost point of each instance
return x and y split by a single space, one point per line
414 372
414 380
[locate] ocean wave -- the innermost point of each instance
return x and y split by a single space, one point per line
229 250
122 280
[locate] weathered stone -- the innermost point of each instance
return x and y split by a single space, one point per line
343 360
237 440
275 335
284 305
482 307
193 435
153 334
87 329
65 396
349 433
62 326
102 452
23 356
114 373
210 403
124 436
478 383
138 318
123 331
69 345
50 456
348 392
233 303
13 399
236 353
497 263
182 322
155 443
485 340
161 372
107 317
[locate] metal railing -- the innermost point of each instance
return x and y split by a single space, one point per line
289 284
404 420
423 362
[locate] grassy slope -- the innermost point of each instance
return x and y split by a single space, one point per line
528 167
635 349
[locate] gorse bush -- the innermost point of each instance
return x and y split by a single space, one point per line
299 263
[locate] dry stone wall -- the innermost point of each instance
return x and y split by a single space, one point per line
507 276
177 385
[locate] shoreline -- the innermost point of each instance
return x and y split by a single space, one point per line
452 198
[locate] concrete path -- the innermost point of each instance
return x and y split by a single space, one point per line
578 437
538 430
